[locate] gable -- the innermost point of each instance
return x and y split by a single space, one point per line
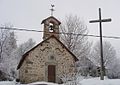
52 40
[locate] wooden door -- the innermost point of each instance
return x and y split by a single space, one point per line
51 73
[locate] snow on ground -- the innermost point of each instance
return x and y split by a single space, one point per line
7 83
43 83
91 81
34 83
96 81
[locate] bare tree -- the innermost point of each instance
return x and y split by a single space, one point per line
75 39
73 31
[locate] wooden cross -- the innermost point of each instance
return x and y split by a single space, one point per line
52 10
100 20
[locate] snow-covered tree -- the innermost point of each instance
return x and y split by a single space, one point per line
114 71
85 66
109 55
16 56
7 46
24 47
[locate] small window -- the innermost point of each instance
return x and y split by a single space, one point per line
52 58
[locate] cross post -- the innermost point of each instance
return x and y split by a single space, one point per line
100 20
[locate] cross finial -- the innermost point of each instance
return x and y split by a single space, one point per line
52 9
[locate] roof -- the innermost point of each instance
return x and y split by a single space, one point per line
49 18
24 56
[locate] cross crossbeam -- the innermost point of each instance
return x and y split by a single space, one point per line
103 20
101 45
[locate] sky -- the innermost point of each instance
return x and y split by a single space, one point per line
28 14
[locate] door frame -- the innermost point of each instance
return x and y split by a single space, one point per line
46 70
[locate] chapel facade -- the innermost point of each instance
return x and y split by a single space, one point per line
49 59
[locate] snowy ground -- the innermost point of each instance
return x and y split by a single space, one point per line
43 83
92 81
95 81
7 83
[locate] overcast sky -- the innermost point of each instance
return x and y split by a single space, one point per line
29 14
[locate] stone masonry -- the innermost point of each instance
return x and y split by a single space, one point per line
50 52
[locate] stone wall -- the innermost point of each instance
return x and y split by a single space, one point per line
47 32
51 52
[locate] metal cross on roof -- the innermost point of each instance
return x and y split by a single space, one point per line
52 9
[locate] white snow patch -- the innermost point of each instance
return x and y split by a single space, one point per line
91 81
96 81
7 83
48 83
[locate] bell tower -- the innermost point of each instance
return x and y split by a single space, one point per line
51 27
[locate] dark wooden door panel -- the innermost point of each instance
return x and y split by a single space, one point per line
51 73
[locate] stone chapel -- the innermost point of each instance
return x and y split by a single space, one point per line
49 59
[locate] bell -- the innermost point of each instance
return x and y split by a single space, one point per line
51 27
